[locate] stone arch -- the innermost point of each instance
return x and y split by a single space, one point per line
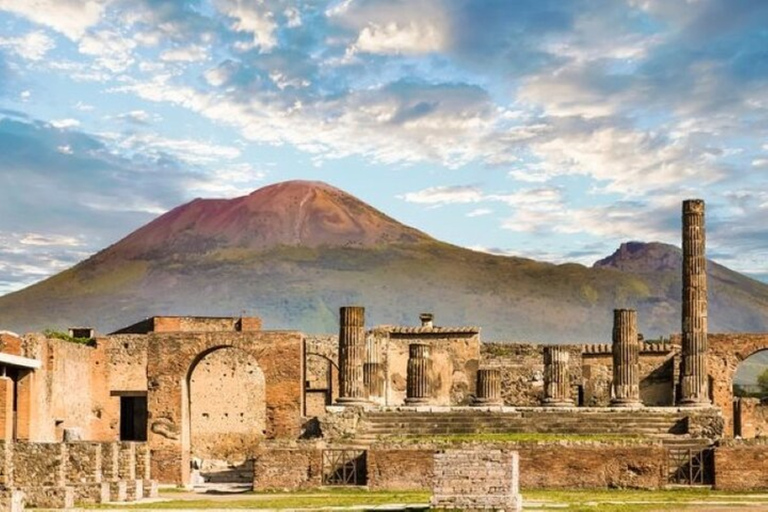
170 359
227 406
321 382
726 352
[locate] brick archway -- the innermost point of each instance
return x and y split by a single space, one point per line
726 352
172 356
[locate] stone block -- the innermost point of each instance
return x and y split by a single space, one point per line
11 501
91 493
127 461
84 462
118 491
143 461
39 464
151 489
109 461
49 496
134 490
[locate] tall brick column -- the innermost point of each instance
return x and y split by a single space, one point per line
626 359
694 385
557 383
488 387
418 386
351 355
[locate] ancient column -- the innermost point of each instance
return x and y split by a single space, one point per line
626 359
418 386
694 385
488 387
373 369
557 383
351 355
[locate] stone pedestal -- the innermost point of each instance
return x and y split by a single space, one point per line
557 383
694 381
418 385
488 387
626 359
351 356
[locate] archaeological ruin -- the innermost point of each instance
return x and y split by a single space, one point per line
86 418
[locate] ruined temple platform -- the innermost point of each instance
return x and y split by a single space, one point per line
659 422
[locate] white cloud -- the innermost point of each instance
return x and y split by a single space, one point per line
50 240
66 149
63 124
112 50
188 150
394 38
445 195
32 46
70 17
253 18
479 212
186 54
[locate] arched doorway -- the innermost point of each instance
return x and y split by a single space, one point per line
750 396
227 414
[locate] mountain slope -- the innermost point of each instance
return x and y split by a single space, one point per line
294 252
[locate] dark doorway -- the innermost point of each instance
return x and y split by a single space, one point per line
133 418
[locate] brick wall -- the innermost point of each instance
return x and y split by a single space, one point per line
478 478
400 469
542 466
741 465
295 468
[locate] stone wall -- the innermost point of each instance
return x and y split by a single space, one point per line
455 356
59 475
476 479
322 373
741 465
70 390
288 469
590 371
401 469
171 357
725 353
752 420
228 411
522 370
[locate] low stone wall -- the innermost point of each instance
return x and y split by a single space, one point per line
741 465
400 469
555 465
60 475
288 468
476 479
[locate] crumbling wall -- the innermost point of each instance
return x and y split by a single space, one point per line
753 418
741 465
455 356
227 406
522 370
322 373
288 469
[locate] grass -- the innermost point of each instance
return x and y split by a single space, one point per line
573 500
533 437
311 499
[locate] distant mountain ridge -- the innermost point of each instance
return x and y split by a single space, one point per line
294 252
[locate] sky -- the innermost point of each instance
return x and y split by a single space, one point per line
548 129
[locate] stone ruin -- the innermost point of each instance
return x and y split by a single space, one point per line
281 409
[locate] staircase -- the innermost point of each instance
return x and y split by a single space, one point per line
622 422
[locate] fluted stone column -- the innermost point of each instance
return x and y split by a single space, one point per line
373 369
418 385
694 385
488 387
557 383
626 359
351 355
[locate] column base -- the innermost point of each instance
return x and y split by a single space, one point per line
633 404
692 402
552 402
418 401
346 400
486 402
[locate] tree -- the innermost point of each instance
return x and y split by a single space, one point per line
762 382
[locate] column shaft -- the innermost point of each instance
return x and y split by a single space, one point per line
557 382
351 355
488 387
694 385
626 359
418 385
